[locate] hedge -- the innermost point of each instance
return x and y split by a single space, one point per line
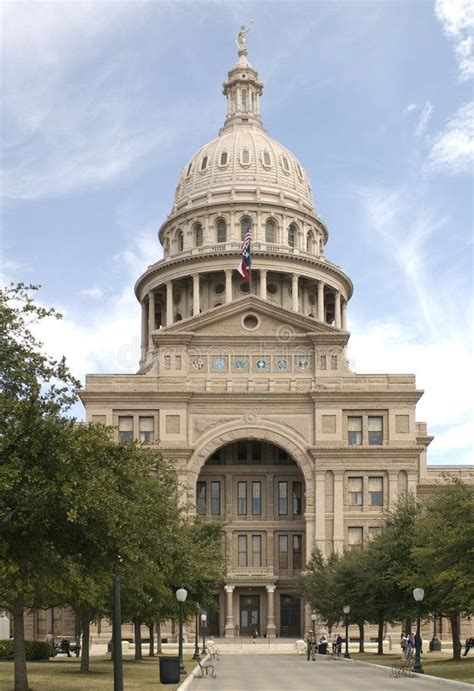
35 650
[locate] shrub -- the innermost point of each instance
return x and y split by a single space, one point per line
35 650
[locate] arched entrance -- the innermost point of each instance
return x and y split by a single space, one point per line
258 490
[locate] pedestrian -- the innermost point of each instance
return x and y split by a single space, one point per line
410 646
403 645
339 644
254 636
334 644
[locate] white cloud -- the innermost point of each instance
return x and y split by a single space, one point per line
452 149
457 19
410 108
425 116
95 292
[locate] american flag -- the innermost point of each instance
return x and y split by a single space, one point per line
244 265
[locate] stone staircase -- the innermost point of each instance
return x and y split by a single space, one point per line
262 646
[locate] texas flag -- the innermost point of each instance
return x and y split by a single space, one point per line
244 265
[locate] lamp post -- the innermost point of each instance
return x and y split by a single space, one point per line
203 627
313 623
346 609
117 637
181 595
313 630
418 594
196 637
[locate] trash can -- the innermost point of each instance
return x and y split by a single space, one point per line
323 648
169 670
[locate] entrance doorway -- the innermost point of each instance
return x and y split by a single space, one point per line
249 614
290 621
213 618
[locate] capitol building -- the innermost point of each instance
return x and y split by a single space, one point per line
245 385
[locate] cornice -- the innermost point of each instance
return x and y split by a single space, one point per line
364 452
425 440
360 396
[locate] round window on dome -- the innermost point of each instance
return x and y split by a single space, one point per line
219 288
244 287
177 298
250 322
312 299
272 288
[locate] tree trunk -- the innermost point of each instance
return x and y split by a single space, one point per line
137 624
151 629
361 637
380 637
21 677
159 649
455 629
86 631
407 625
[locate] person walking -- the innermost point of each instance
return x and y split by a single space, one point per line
403 645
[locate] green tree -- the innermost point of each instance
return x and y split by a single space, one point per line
317 587
352 585
443 554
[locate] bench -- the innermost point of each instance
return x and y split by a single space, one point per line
206 669
214 653
403 669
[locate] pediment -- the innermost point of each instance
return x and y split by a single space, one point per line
251 316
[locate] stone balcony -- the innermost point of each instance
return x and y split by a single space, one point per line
251 574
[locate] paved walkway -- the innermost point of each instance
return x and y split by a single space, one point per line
295 673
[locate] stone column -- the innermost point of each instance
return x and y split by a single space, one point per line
196 302
169 303
144 338
263 284
294 292
344 315
320 301
338 512
271 628
228 286
392 488
229 610
337 310
151 318
320 510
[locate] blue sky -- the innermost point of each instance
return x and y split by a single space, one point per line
104 102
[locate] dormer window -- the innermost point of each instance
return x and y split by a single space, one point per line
285 164
204 163
300 172
198 235
270 231
221 230
179 241
292 235
188 172
245 157
223 159
267 159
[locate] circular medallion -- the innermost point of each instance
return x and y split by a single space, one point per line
197 363
303 363
282 365
261 365
240 363
219 364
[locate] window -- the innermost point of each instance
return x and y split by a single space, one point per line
242 451
242 549
256 550
283 498
244 99
204 163
297 552
354 430
256 498
283 551
375 429
298 168
286 164
323 362
267 159
333 361
215 498
221 231
245 226
376 491
125 425
375 530
201 499
245 157
179 241
256 450
223 159
146 429
310 242
297 498
291 235
242 498
355 538
188 172
198 235
355 488
270 231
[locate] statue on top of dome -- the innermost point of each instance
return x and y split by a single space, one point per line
241 39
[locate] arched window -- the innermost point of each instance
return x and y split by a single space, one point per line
292 235
310 242
179 241
245 226
223 159
198 235
166 245
267 159
286 164
204 163
221 230
245 157
270 231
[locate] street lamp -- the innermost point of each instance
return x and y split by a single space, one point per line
181 595
313 622
418 594
346 609
196 637
203 627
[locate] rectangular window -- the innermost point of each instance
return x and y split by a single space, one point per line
354 430
256 498
376 491
242 498
375 430
297 498
283 551
146 429
355 491
242 451
125 425
375 530
201 499
256 550
355 538
283 498
333 361
167 361
297 552
242 540
256 451
323 362
215 498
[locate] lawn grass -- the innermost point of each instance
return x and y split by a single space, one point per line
62 674
436 664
